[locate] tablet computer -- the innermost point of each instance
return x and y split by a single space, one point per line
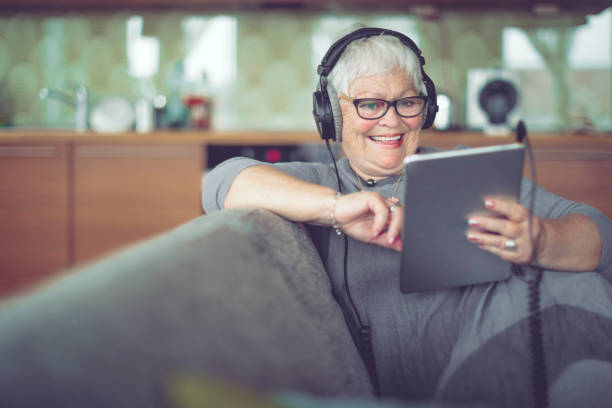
441 190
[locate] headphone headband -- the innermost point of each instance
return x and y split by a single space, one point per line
336 49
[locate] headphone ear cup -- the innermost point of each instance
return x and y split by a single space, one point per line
334 103
432 101
327 113
317 112
431 116
322 114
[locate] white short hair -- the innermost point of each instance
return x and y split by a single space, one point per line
373 56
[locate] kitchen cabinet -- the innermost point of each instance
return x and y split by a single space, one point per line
124 193
34 213
583 173
68 198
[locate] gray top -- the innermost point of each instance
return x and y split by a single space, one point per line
415 336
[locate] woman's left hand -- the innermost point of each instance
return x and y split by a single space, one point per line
508 235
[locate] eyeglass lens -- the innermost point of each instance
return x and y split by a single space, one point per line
376 108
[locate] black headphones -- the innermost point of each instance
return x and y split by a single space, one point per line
325 104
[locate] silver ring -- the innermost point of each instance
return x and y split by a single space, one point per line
392 207
510 245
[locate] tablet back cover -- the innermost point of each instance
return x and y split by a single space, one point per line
441 190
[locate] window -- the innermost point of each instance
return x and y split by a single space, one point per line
518 52
567 92
210 50
591 46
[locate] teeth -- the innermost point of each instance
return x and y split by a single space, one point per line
385 138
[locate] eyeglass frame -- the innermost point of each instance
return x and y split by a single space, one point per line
356 101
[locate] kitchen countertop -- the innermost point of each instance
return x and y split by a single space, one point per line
430 137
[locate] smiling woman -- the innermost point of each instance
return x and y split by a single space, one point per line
374 98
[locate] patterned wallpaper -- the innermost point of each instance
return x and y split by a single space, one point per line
275 73
275 64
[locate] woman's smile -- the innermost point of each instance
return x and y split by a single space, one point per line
391 141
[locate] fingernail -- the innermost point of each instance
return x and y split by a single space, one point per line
489 203
472 222
391 240
472 238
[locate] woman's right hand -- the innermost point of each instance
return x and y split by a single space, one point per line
370 217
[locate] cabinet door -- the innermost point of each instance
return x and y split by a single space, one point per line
578 174
125 193
34 214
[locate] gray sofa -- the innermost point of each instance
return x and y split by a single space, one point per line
238 298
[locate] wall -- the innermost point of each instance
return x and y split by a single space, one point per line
275 65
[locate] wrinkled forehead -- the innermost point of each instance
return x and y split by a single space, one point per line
394 82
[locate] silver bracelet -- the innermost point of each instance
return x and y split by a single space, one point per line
333 215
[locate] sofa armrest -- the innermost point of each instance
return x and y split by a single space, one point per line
240 295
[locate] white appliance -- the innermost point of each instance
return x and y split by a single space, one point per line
494 87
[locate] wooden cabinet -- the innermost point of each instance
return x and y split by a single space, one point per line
70 202
34 213
582 174
124 193
67 198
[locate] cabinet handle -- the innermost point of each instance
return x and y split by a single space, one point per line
28 151
135 152
576 154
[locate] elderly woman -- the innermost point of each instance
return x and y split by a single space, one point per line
467 344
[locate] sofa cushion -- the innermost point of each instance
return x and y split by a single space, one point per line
240 295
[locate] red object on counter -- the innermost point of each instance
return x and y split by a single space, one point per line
199 110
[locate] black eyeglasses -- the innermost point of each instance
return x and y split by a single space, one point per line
374 108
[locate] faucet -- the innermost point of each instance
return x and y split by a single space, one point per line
79 100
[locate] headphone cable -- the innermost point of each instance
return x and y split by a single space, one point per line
361 333
538 359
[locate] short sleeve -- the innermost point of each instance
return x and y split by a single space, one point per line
219 180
